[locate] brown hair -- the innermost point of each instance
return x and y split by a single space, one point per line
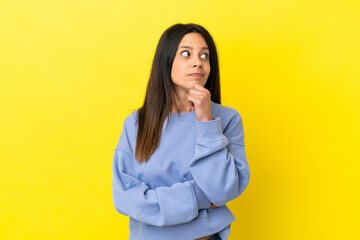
160 92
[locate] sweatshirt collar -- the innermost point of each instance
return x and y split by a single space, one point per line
188 115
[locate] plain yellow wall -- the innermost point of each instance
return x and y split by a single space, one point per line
72 70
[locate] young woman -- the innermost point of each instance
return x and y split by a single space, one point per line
181 157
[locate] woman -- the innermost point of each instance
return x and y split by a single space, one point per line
180 157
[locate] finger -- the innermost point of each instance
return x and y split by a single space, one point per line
195 92
199 87
197 97
192 106
213 205
194 100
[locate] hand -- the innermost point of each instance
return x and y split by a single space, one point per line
200 100
212 205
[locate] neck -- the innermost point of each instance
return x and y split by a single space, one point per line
181 102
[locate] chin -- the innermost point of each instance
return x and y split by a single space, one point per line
201 83
191 85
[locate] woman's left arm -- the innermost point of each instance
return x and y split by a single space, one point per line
219 166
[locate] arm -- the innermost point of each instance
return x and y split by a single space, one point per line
219 166
161 206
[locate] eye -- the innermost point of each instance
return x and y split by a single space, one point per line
204 55
185 53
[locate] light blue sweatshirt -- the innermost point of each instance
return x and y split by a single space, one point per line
196 164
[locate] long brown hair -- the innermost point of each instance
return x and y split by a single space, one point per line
160 92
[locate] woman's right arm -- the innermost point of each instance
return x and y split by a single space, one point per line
162 206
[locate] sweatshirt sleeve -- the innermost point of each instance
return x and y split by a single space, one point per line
162 206
219 166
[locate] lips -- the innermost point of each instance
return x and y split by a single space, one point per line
196 74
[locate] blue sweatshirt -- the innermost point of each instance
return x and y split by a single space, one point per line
197 163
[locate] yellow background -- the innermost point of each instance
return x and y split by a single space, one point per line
72 70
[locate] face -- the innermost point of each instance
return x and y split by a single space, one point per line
191 63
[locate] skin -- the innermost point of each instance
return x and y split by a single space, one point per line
192 56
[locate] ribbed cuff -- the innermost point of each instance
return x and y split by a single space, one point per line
201 198
209 130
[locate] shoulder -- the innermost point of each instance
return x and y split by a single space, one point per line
231 120
131 120
131 125
127 138
226 113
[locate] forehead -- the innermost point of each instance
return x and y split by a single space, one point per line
193 39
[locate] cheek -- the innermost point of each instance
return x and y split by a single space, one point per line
208 70
178 71
175 68
172 73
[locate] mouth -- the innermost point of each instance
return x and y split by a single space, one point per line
196 75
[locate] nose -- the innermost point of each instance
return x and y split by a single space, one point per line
197 62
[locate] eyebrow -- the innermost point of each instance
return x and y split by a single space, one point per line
203 48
